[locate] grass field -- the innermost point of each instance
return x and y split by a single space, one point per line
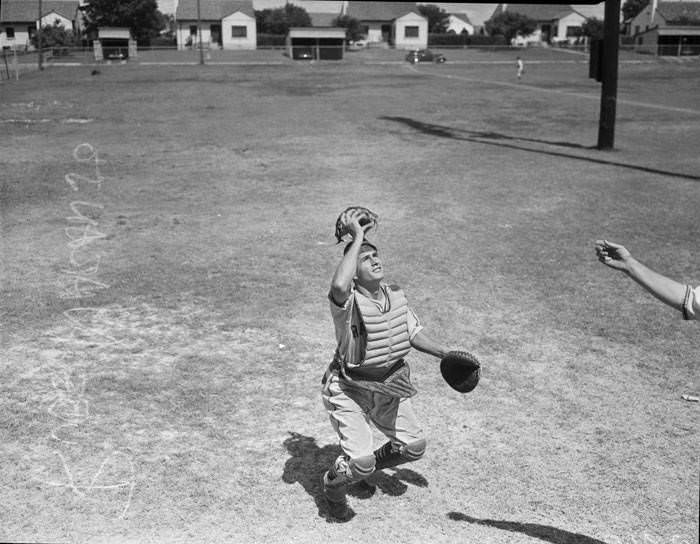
167 246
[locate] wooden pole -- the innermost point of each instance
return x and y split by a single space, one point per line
199 35
38 40
608 97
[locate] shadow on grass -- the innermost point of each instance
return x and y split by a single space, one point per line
512 142
308 462
306 466
534 530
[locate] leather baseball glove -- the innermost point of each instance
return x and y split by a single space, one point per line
461 370
341 224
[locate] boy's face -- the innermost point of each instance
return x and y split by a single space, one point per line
369 267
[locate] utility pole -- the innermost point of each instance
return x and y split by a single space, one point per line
199 34
608 96
38 40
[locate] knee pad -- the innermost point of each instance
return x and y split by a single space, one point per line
361 467
413 450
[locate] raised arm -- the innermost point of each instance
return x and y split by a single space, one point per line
341 283
665 289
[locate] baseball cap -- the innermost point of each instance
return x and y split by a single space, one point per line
366 246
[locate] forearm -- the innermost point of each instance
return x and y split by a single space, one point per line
345 272
422 342
665 289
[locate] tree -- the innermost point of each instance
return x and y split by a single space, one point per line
352 26
142 17
509 24
438 18
632 8
280 20
593 28
56 38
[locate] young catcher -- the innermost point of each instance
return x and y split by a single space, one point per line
677 295
368 381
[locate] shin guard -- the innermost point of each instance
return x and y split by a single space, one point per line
390 455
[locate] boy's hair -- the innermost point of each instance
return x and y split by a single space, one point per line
366 246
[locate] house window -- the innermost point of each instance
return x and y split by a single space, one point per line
410 32
573 31
239 31
10 32
193 30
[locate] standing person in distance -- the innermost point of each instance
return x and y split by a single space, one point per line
520 67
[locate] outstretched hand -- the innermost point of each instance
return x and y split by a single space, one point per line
613 255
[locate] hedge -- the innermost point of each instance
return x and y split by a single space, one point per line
463 40
272 40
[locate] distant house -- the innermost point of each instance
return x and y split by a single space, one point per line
668 28
556 23
224 24
459 23
19 19
397 24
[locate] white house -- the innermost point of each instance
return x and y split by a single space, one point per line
397 24
410 31
556 23
224 24
459 23
668 28
19 19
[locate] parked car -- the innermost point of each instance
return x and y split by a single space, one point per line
303 54
425 55
357 45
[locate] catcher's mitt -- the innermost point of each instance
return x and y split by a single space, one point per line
461 370
341 224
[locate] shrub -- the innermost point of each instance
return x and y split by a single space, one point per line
464 40
271 40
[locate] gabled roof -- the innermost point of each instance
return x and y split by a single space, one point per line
538 12
315 6
672 11
380 11
17 11
462 17
212 10
317 32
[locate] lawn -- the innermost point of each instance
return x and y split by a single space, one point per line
167 246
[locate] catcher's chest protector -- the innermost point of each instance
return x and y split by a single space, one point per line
387 332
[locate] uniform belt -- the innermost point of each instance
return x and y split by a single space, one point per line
354 375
